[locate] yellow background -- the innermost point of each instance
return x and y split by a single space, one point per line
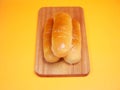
18 23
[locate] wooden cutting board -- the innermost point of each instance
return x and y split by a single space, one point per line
42 68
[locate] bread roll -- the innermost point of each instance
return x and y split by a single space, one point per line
74 55
61 34
48 55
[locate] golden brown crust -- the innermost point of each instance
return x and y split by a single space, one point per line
48 55
61 34
74 55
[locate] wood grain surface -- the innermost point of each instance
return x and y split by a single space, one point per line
42 68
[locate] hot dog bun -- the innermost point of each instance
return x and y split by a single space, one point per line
74 55
48 55
61 34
